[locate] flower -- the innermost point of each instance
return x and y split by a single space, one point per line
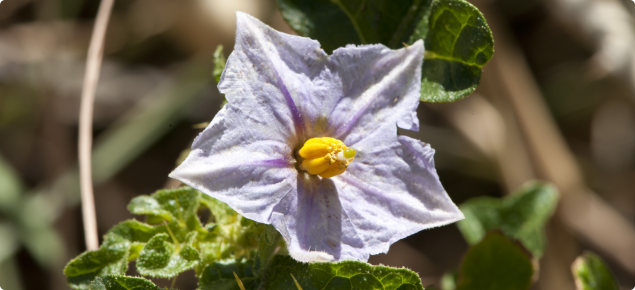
283 91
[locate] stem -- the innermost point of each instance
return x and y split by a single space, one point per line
174 240
351 17
91 78
174 282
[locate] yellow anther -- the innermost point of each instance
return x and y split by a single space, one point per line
316 165
326 157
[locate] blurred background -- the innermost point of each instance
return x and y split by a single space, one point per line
557 102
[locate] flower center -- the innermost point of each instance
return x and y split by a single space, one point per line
326 157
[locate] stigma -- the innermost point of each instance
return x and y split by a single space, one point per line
326 157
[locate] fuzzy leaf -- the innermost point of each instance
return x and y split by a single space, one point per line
133 231
169 204
496 263
160 258
456 36
591 273
342 275
140 233
521 215
110 258
116 282
219 275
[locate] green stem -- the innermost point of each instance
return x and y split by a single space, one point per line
174 281
351 17
174 240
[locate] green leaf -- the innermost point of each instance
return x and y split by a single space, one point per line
169 204
149 206
521 215
342 275
167 249
160 258
110 258
219 275
336 23
458 44
223 214
269 240
457 38
496 263
219 63
133 231
591 273
116 282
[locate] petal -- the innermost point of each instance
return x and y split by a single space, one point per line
381 90
314 226
393 192
238 160
270 73
308 93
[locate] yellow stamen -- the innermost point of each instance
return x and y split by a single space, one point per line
326 157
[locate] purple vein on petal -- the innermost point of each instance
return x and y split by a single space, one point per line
346 128
271 163
295 113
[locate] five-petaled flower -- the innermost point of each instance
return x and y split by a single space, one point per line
280 151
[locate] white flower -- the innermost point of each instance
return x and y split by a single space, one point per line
282 92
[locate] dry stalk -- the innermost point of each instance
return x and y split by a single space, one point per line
91 78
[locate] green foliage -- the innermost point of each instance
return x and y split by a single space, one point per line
160 258
496 263
172 242
342 275
590 273
219 275
26 221
177 204
267 244
458 44
219 67
337 23
521 215
219 63
116 282
110 258
457 38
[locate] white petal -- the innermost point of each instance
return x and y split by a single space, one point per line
314 225
393 192
270 73
238 161
381 90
